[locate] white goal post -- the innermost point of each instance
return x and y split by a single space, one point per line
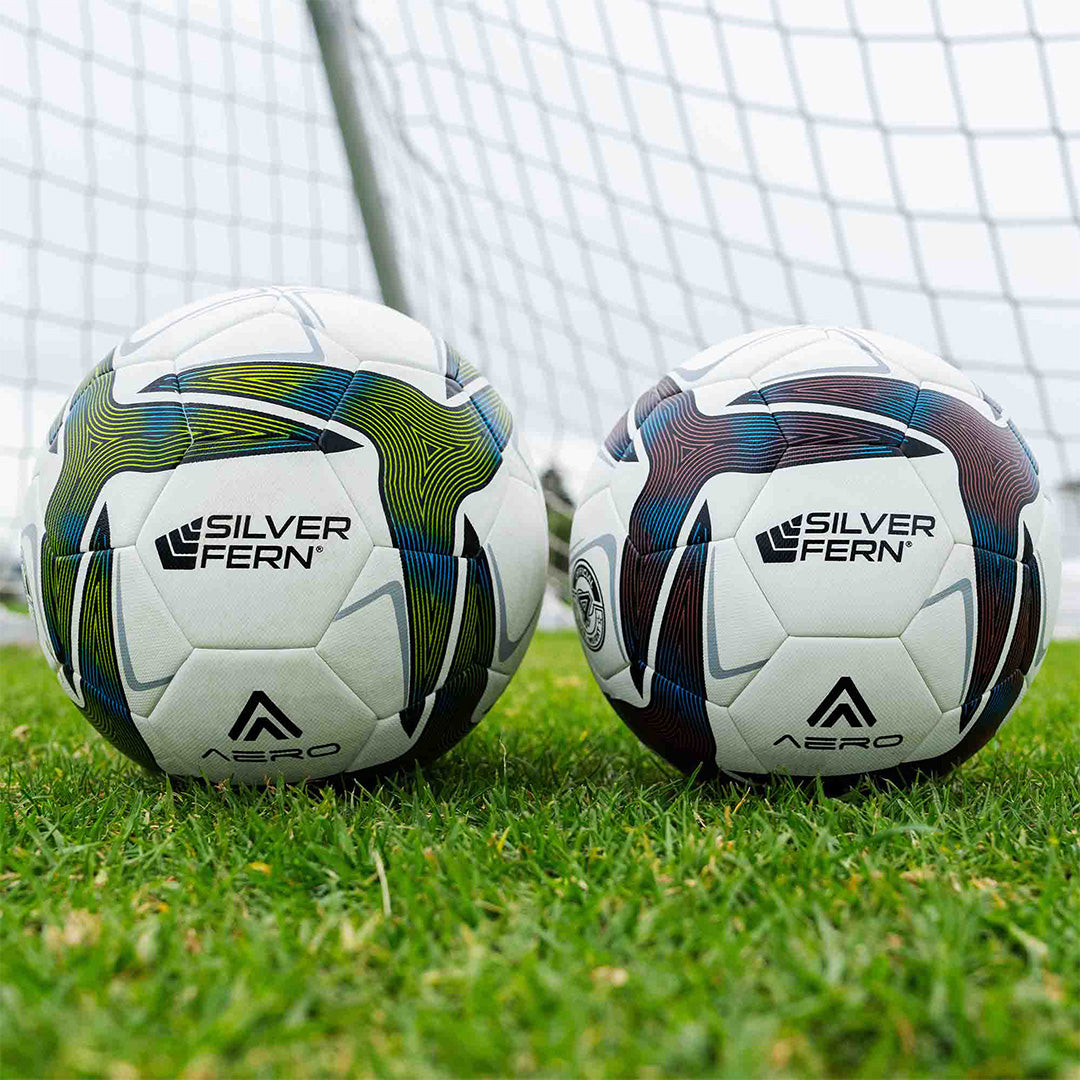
577 194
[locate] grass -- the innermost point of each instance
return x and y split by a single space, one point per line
548 899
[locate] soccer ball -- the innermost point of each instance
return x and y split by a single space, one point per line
814 551
284 533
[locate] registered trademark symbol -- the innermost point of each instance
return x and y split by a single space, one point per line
318 547
907 543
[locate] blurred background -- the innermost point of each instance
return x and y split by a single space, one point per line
578 195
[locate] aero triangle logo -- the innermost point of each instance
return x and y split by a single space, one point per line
843 702
264 716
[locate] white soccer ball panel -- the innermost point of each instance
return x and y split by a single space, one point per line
518 462
741 631
941 636
940 475
367 641
745 356
626 481
836 352
597 538
517 552
598 478
371 332
389 739
940 739
923 365
846 548
497 682
621 686
272 335
170 335
277 547
47 466
1048 553
729 497
715 398
357 471
733 755
129 498
256 714
150 647
835 706
30 554
481 508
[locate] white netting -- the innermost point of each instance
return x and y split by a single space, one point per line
584 193
581 193
150 155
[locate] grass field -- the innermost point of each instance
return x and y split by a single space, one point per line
548 899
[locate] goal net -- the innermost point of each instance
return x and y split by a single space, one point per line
579 194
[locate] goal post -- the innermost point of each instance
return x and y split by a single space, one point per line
332 32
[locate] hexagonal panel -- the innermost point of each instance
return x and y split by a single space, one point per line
941 636
30 555
835 706
371 332
390 740
846 548
626 481
272 335
838 352
168 336
1048 553
746 355
367 642
732 753
517 553
255 714
922 364
150 647
357 471
741 630
254 552
517 460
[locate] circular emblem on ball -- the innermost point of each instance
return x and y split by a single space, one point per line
588 605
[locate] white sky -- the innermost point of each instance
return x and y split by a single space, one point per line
578 225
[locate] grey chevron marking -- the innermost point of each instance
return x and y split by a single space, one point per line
963 587
607 544
130 344
315 354
878 367
693 376
1044 628
31 580
396 591
125 654
508 645
716 668
302 306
